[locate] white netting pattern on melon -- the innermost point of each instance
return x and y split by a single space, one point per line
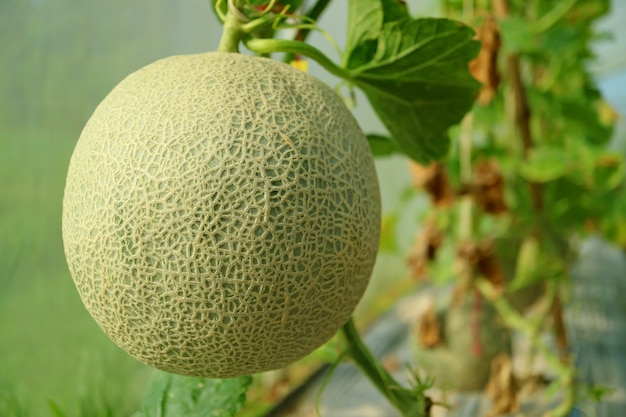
221 214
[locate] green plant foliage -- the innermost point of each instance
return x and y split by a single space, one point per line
546 164
382 145
175 395
541 138
413 72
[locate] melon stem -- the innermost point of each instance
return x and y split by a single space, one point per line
410 403
232 32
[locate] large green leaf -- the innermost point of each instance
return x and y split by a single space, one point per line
421 49
175 396
418 82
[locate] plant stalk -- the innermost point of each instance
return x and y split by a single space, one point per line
263 46
513 319
466 203
521 108
409 403
232 32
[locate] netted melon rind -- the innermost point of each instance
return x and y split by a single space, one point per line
221 214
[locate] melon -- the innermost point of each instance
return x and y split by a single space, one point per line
221 214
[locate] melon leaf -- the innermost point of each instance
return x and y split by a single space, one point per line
172 395
365 23
415 76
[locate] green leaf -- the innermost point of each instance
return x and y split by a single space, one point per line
365 23
527 264
545 164
517 35
382 145
421 49
365 20
584 117
610 171
593 167
175 395
418 82
394 10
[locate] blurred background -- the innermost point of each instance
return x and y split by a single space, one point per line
58 59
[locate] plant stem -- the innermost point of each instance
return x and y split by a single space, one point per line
513 319
264 46
465 157
312 14
549 19
409 403
521 109
560 332
232 32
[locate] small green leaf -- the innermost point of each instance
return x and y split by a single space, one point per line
527 264
545 164
517 35
609 172
382 145
598 392
175 395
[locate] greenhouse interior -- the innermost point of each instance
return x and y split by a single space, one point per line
372 208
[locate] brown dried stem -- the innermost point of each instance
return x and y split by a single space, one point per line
521 109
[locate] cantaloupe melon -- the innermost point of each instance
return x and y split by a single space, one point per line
221 214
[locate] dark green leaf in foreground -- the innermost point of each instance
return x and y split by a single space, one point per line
175 396
418 82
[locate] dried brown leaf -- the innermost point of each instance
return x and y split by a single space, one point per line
479 258
424 249
434 180
488 265
485 67
488 187
429 330
502 387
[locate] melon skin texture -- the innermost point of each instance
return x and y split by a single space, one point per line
221 214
